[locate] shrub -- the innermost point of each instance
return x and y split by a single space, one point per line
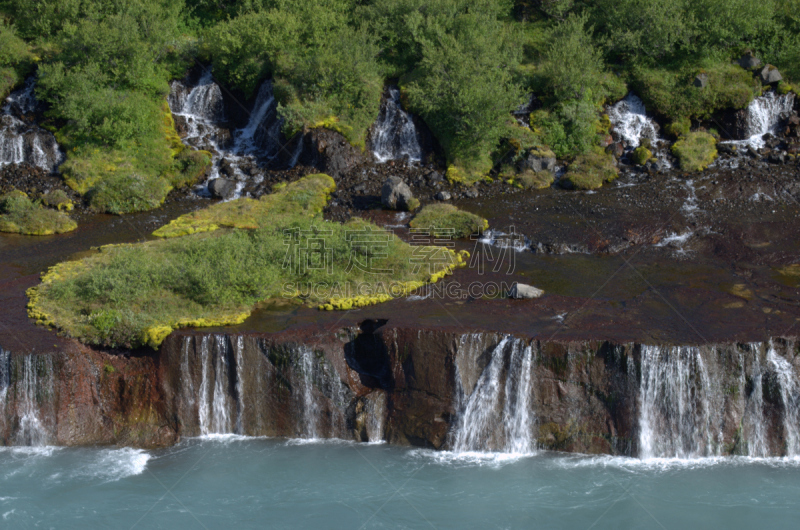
531 180
678 127
695 151
590 171
18 214
570 129
122 193
447 219
58 199
16 61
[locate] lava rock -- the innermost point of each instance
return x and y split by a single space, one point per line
471 193
395 194
727 149
616 149
748 61
524 291
701 81
221 188
770 75
443 196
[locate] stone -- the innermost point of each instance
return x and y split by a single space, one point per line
395 194
443 196
471 193
538 160
226 168
701 81
770 75
435 177
524 291
748 61
616 149
727 149
221 188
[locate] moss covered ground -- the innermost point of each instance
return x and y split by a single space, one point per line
20 215
446 217
212 267
695 151
590 171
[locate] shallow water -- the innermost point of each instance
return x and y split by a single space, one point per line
225 481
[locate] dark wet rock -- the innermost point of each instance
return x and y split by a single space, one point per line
329 152
222 188
471 193
616 149
524 291
538 160
748 61
701 80
777 157
436 178
727 149
395 194
443 196
770 74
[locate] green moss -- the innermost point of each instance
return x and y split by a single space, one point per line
529 179
695 151
785 88
306 196
59 200
641 155
447 217
18 214
678 127
122 193
137 294
590 171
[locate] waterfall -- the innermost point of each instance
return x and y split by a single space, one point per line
630 121
753 420
677 412
215 405
376 416
202 108
309 404
497 415
26 383
21 140
394 135
764 115
790 398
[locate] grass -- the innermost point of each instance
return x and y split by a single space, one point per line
641 155
214 267
529 179
18 214
695 151
446 217
590 171
132 177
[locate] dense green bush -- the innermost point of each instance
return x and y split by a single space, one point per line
16 59
695 151
19 214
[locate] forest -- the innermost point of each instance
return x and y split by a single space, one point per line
103 69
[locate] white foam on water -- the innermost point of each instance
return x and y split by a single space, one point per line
31 451
631 123
112 465
668 464
499 239
470 458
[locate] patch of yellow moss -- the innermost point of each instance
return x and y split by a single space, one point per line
245 213
155 335
55 273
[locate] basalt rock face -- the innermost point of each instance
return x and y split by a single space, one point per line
440 388
81 399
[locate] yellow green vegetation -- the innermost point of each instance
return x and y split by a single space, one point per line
695 151
307 196
641 155
529 179
679 127
16 60
59 200
211 269
590 171
447 219
19 214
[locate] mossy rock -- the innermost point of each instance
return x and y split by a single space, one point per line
678 127
695 151
530 179
20 215
447 217
59 200
641 155
590 171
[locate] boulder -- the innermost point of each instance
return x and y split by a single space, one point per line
396 195
616 149
326 150
748 61
538 160
222 188
701 81
443 196
770 75
471 193
524 291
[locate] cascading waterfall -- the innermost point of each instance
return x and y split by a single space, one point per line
497 415
683 396
214 396
394 135
631 124
310 407
25 384
21 140
202 108
764 115
376 416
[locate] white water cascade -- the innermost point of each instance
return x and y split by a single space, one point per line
215 400
630 122
497 415
764 115
684 394
21 140
394 135
202 108
24 396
